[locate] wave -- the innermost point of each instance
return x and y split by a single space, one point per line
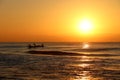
12 46
95 50
66 53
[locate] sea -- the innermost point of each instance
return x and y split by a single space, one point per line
99 61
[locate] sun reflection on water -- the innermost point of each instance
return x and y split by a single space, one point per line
84 65
84 75
84 58
85 46
85 78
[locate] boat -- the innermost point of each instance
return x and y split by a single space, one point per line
35 46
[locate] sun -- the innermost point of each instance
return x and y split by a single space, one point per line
85 26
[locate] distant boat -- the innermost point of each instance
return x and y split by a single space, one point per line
35 46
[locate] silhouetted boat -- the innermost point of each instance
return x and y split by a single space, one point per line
35 46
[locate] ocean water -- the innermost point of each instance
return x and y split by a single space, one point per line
99 61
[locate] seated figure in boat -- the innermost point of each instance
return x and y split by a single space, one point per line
42 45
35 46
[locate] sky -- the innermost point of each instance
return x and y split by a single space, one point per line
59 20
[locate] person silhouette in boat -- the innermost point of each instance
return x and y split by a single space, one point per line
29 46
42 45
35 46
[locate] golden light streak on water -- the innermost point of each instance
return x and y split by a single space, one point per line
85 58
84 76
85 46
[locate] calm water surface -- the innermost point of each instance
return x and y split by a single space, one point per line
101 61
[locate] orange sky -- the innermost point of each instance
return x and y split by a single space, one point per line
57 20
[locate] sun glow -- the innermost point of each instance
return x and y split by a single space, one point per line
85 26
85 46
